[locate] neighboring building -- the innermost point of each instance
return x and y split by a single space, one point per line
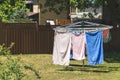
86 14
52 15
42 18
34 10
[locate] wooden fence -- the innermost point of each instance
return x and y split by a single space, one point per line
114 44
28 37
31 38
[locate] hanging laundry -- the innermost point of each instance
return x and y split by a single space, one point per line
61 49
94 44
78 45
106 36
59 29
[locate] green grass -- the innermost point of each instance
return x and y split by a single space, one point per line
42 63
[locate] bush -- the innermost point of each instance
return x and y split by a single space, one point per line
5 50
20 16
10 68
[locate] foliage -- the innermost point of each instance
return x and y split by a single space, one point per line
62 5
10 68
5 50
20 16
50 6
10 7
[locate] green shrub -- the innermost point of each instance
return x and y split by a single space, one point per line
10 68
5 50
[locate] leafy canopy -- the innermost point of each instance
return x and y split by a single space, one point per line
9 7
50 5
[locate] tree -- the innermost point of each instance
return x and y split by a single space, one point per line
10 7
113 10
50 5
19 16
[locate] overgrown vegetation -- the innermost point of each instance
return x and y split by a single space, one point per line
80 4
5 50
58 6
12 68
13 11
19 16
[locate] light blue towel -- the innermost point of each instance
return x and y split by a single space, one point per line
94 44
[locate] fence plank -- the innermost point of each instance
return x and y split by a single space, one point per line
28 37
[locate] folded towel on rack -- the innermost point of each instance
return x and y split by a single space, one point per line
94 44
78 46
61 49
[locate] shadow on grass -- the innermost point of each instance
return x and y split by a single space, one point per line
35 71
109 57
112 57
87 68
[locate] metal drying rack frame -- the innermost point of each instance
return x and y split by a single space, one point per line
85 26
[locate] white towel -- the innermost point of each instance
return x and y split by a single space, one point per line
61 49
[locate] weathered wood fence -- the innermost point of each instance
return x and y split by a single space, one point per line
28 37
114 44
31 38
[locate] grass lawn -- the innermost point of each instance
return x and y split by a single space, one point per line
42 63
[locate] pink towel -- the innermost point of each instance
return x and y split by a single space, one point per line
78 45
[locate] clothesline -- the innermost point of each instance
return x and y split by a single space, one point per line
84 26
60 29
103 28
85 23
63 40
